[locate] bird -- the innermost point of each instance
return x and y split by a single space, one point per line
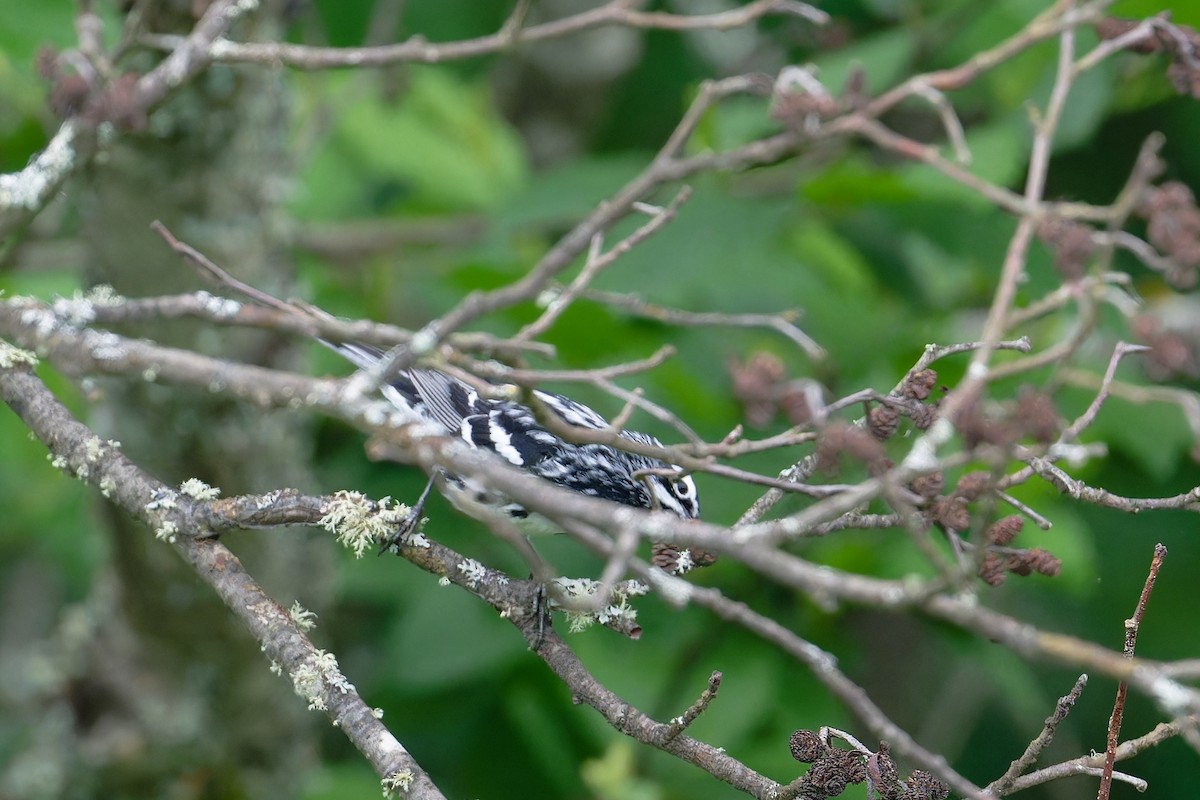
511 431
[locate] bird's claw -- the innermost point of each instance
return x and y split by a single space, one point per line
411 524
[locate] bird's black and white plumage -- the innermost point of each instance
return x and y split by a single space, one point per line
510 431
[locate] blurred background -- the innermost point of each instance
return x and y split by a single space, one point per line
390 194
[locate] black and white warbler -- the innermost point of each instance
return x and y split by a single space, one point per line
511 431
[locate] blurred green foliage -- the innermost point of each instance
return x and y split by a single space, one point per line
882 255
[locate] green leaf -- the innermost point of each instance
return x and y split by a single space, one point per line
1156 449
614 776
989 24
945 278
340 780
840 266
1087 106
1071 540
30 26
537 721
481 645
1181 13
442 146
855 181
565 192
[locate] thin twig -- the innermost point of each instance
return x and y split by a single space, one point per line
207 268
781 322
924 450
1037 518
418 50
936 352
1004 783
1062 295
653 409
495 372
1087 417
1106 48
680 724
1188 402
596 262
1132 625
950 121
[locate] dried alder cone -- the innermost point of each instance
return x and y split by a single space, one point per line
1179 42
918 385
760 385
1034 417
833 769
882 422
952 514
756 384
675 560
838 438
973 485
928 486
1070 244
95 100
763 389
1005 529
995 566
1172 355
1173 228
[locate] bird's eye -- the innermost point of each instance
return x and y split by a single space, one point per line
681 487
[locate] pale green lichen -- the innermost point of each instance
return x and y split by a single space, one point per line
11 356
359 522
415 538
615 610
578 621
166 531
303 619
32 187
397 783
105 346
684 563
156 510
306 682
198 489
163 501
219 307
472 572
104 295
310 681
334 679
79 310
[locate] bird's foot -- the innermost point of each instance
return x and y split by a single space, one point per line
411 524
